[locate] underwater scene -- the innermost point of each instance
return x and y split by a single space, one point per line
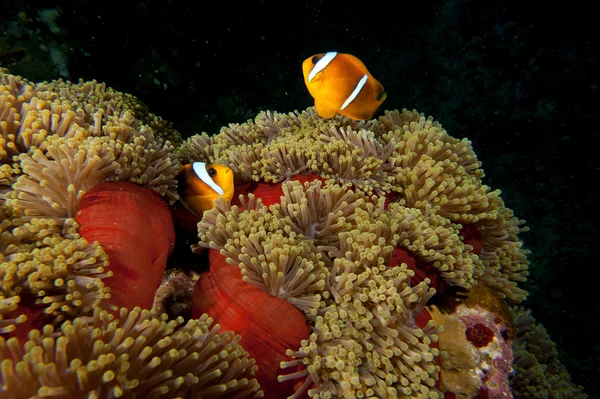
299 200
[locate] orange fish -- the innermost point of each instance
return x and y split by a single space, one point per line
341 84
201 184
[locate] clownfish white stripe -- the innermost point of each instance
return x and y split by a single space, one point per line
357 89
321 64
200 169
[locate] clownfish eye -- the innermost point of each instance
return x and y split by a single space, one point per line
315 59
212 172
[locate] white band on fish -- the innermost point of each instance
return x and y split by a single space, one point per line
361 83
200 169
321 64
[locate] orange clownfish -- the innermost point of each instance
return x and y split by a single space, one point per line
201 184
341 84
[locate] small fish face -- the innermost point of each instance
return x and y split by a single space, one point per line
201 184
223 177
341 84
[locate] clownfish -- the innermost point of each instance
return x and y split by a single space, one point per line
201 184
341 84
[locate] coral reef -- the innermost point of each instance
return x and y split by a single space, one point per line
316 279
476 346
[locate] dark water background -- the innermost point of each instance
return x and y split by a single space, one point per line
519 80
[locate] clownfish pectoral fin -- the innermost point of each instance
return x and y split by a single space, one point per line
317 77
323 111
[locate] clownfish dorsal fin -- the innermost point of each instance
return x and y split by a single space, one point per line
200 170
355 62
321 64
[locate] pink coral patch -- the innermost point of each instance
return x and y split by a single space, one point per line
479 335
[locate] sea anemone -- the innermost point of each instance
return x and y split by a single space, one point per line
85 228
268 325
320 270
352 233
74 151
48 273
136 353
539 372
